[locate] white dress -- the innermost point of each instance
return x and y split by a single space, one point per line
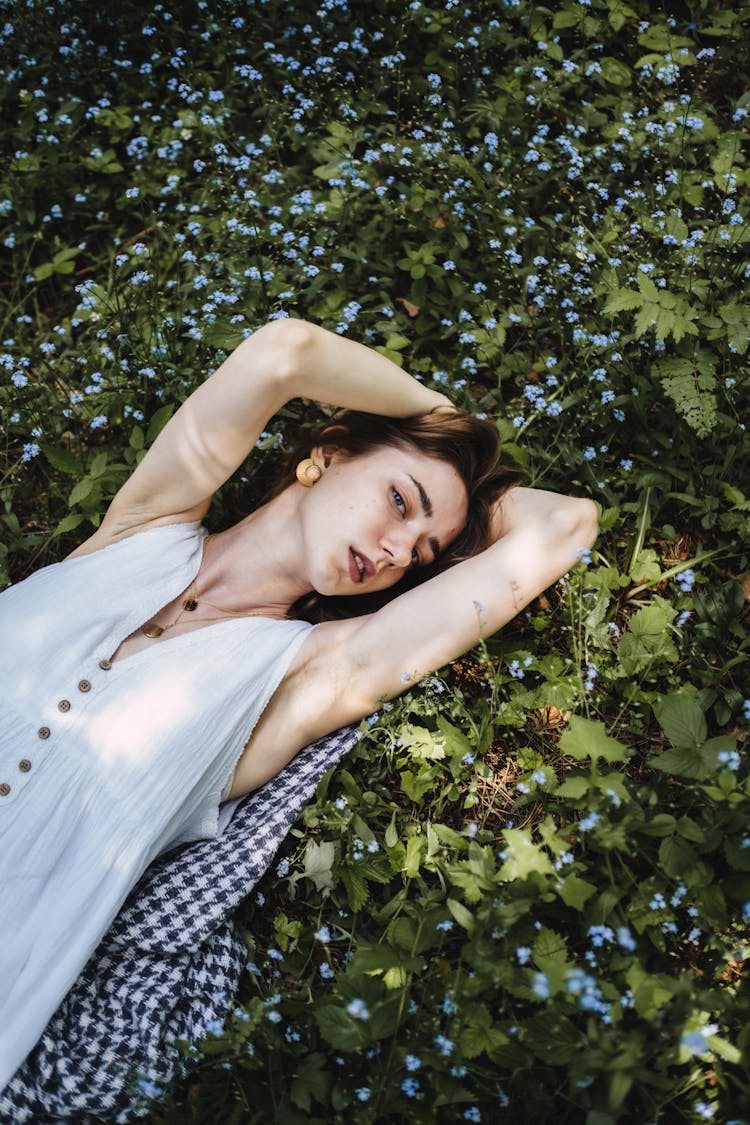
104 765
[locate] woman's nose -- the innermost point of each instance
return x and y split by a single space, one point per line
398 546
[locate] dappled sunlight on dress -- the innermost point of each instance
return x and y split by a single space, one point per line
105 764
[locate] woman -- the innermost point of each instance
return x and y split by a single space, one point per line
157 670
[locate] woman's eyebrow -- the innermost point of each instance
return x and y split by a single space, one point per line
427 509
424 498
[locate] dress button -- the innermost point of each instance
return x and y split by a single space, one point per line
24 765
44 732
105 664
63 705
84 685
4 789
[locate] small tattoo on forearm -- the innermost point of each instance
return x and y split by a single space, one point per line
516 589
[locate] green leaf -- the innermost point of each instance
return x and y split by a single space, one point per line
575 787
676 856
463 916
338 1028
416 785
587 738
421 743
318 864
682 720
576 891
62 459
450 837
682 763
311 1079
68 523
567 17
646 318
456 742
645 567
356 887
479 1034
80 491
552 1038
395 342
98 466
663 824
415 849
648 289
615 72
137 438
522 856
621 300
650 991
158 422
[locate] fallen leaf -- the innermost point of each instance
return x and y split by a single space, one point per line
413 310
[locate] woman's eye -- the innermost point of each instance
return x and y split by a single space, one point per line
414 557
398 500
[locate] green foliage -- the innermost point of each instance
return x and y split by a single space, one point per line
525 897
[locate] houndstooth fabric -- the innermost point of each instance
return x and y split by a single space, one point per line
169 965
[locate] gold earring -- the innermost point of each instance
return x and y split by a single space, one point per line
307 472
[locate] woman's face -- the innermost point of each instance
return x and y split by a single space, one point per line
371 518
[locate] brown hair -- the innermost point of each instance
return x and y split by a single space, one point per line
471 446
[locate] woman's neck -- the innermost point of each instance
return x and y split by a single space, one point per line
257 563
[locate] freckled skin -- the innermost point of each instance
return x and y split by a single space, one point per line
371 504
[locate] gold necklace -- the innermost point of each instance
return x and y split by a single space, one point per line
189 605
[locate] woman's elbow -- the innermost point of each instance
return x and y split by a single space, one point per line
288 342
585 527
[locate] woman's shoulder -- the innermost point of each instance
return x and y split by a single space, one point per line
114 533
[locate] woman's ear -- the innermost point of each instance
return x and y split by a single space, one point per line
325 455
328 449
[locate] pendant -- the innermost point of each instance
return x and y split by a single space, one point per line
152 630
190 604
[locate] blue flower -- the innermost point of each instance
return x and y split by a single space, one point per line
412 1062
148 1088
540 986
589 822
363 1093
444 1045
410 1086
686 580
625 938
358 1010
695 1041
523 953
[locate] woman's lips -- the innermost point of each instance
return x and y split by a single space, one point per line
360 566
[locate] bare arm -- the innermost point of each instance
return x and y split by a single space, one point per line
218 425
350 667
538 537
